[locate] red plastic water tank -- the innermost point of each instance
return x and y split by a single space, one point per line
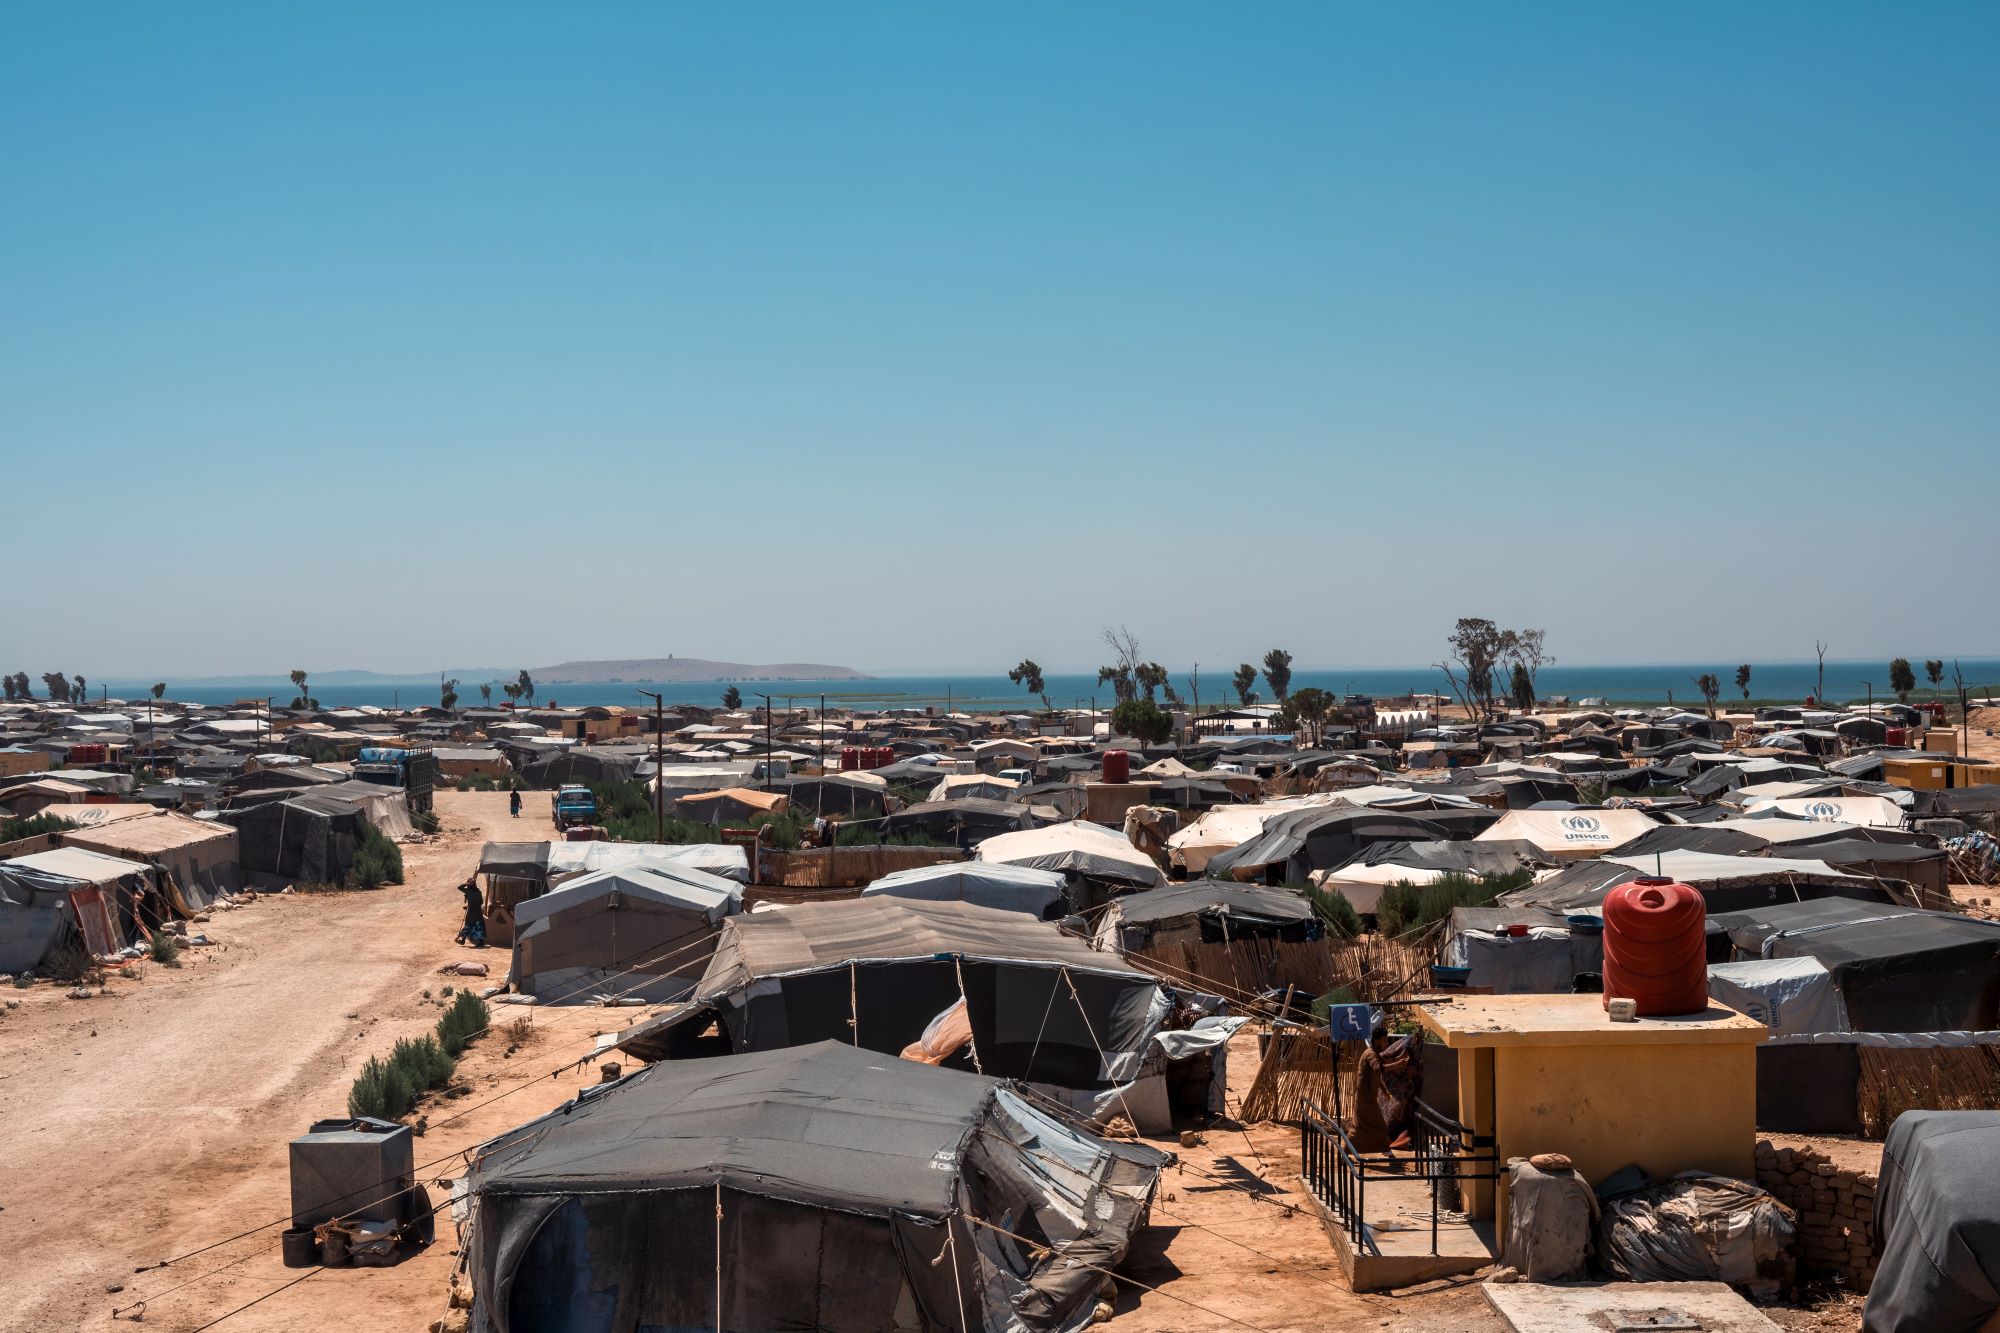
1117 766
1896 735
1656 947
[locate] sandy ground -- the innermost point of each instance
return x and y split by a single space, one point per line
153 1121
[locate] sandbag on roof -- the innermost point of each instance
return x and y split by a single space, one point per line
844 1188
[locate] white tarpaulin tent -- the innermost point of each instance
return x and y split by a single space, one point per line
1703 869
1867 811
1227 826
984 786
569 859
1570 835
1011 888
1076 848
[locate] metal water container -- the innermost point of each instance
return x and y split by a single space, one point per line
352 1168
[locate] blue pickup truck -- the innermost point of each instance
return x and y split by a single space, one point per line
575 806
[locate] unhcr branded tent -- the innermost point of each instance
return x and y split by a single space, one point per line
642 933
1080 849
1571 835
1039 1004
1039 893
820 1187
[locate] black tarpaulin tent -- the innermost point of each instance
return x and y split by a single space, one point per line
1042 1005
964 823
1220 910
579 765
1897 969
1937 1225
1298 842
820 1187
309 839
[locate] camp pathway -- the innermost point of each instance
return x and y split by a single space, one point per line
153 1120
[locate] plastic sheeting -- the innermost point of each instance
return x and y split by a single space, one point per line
1937 1221
1791 996
1697 1228
1005 887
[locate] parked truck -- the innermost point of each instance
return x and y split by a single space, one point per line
412 769
575 805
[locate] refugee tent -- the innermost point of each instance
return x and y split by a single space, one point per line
1363 885
965 823
1039 1004
48 899
1793 997
822 1187
548 772
199 855
986 786
1897 969
849 795
1011 888
1212 910
1571 835
1298 842
1937 1225
309 839
646 934
729 805
1545 958
1865 811
1080 849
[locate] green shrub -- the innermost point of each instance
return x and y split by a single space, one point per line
71 964
382 1090
1342 921
377 861
33 826
424 1061
465 1019
166 948
1408 909
424 821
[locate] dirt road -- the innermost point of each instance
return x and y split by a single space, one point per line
154 1119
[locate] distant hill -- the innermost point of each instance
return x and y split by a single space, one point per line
686 669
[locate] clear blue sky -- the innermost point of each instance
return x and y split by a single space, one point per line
926 337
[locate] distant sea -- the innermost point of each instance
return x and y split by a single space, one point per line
1769 682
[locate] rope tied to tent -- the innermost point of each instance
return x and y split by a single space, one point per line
972 1038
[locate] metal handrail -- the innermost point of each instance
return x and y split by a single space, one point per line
1443 1152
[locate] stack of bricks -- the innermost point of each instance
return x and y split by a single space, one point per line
1835 1208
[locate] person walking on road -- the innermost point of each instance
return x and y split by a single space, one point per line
473 932
514 802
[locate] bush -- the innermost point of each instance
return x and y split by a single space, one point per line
166 948
71 964
466 1019
13 828
424 1061
377 861
1339 915
424 821
382 1091
1408 909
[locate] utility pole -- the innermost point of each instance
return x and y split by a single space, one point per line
659 766
767 740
